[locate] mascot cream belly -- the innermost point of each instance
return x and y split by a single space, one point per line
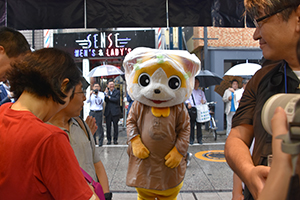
158 125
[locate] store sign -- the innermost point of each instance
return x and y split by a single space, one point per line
104 44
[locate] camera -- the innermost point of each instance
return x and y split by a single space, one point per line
290 103
96 91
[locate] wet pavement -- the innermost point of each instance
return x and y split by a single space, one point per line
207 177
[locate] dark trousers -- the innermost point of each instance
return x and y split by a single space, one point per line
114 120
199 131
98 116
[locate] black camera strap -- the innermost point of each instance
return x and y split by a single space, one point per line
193 100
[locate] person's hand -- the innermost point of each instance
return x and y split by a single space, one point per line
277 184
10 94
257 179
91 92
229 98
231 89
95 195
279 127
91 122
238 196
202 101
106 90
189 106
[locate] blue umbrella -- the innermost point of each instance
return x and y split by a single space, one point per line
208 78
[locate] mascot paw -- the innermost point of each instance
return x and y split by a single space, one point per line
173 158
138 148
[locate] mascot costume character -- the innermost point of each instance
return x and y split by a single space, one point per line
158 125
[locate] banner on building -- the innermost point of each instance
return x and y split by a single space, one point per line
103 44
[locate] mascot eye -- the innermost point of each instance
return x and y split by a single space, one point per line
144 79
174 82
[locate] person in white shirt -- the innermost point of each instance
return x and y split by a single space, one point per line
230 98
96 100
197 98
239 92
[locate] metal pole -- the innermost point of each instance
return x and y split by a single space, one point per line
84 12
167 13
180 38
184 41
205 49
33 46
171 38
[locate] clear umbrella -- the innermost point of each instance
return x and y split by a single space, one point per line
243 69
105 70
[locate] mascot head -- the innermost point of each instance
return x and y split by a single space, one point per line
160 78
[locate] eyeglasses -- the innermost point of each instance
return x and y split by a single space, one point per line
256 21
82 92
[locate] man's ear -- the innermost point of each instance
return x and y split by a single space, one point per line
2 50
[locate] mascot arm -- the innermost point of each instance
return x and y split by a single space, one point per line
173 158
138 148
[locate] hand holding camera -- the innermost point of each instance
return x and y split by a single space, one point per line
285 124
95 91
106 90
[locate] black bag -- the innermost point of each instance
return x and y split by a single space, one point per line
193 113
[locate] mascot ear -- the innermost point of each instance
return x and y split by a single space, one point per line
131 61
189 62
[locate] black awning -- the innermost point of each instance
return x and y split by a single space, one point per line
56 14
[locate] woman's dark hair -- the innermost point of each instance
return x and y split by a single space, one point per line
42 72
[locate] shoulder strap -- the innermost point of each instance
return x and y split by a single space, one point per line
87 176
83 126
193 100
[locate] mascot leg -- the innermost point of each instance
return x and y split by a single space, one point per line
169 194
145 194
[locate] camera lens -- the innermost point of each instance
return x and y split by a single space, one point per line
289 102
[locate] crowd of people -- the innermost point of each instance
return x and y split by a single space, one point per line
43 93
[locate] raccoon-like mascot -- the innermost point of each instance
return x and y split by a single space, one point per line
158 125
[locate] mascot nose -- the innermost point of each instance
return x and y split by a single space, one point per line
156 91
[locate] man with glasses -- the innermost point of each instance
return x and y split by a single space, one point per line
277 30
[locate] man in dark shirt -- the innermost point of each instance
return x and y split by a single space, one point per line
112 111
278 30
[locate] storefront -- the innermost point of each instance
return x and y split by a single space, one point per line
91 49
